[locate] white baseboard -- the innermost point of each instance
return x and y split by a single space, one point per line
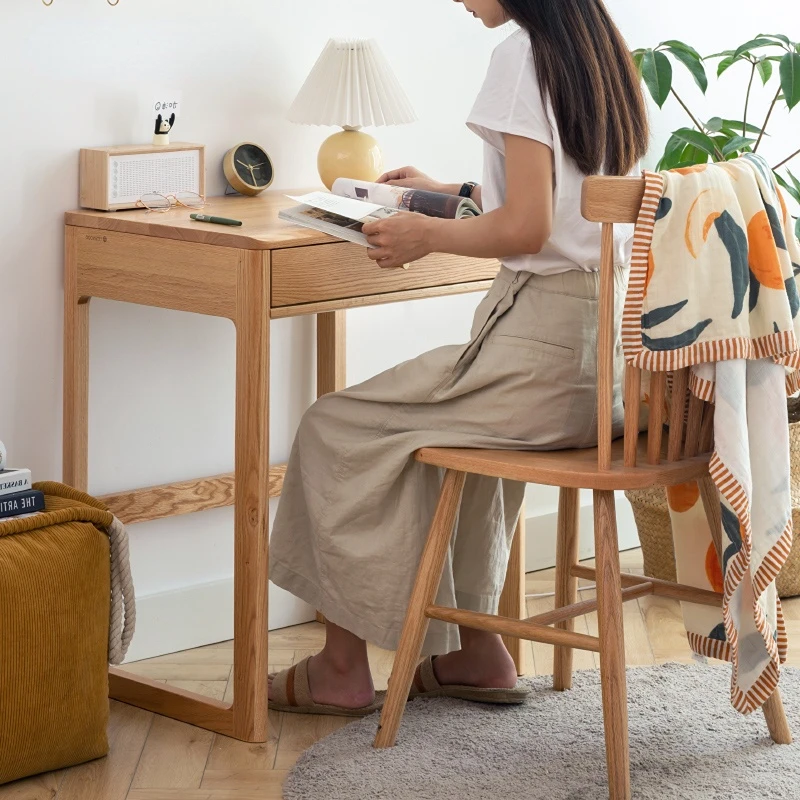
202 614
540 535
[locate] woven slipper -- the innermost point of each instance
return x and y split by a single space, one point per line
292 693
426 685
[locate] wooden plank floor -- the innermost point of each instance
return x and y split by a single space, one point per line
155 758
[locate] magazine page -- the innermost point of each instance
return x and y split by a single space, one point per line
337 225
432 204
353 209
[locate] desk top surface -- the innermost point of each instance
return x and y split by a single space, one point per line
262 230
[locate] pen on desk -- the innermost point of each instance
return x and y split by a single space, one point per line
215 220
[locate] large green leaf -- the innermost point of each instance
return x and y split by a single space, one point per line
790 78
751 45
778 37
794 191
737 124
657 75
694 65
637 56
699 140
764 68
737 144
672 153
678 45
725 64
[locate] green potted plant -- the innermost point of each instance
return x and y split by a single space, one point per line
774 63
773 60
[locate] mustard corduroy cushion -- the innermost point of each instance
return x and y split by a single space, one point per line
54 619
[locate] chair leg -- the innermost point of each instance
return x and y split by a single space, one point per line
612 646
777 723
512 600
566 585
416 623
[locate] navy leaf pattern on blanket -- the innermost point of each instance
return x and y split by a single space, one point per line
755 289
777 227
664 207
659 315
730 525
676 342
793 295
735 241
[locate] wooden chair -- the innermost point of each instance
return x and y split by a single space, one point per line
634 462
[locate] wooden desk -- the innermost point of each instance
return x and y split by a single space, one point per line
261 271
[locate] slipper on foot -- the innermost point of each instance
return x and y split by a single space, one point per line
291 693
426 684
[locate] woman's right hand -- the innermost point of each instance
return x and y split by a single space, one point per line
412 178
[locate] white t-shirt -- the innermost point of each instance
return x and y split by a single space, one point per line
511 102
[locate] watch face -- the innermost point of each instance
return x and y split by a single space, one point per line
252 165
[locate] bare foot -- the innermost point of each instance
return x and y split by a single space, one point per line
482 662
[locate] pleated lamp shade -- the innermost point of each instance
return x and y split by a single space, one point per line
352 85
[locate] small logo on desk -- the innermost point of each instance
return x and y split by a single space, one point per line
91 238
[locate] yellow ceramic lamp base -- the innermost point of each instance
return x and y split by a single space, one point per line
349 154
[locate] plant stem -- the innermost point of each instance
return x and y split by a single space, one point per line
700 127
766 121
747 100
787 160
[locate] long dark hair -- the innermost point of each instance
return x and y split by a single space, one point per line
585 68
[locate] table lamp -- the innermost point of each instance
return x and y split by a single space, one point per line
353 86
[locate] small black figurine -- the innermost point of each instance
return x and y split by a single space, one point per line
163 127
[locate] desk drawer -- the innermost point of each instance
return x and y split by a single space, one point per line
323 272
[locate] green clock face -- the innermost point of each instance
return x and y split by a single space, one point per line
253 166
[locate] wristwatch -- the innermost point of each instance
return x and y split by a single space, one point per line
467 189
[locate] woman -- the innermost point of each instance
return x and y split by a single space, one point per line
561 100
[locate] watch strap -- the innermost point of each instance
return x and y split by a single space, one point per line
467 189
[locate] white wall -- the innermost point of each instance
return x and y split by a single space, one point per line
80 74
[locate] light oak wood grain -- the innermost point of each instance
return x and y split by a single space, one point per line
170 701
251 510
571 468
379 299
612 199
184 497
567 542
75 465
110 778
157 272
512 600
612 647
40 787
605 349
174 757
336 271
429 576
95 166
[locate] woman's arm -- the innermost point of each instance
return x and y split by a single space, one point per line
522 225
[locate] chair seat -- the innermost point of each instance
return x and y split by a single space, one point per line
577 469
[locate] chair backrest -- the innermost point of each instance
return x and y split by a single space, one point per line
613 201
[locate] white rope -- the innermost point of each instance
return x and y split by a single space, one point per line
123 600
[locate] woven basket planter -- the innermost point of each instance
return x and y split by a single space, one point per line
651 513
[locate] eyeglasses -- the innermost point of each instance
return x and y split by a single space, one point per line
164 202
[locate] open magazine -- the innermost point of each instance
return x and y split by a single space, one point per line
353 203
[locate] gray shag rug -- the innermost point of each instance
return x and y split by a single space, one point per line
686 742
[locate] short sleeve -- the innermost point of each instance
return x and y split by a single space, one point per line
510 100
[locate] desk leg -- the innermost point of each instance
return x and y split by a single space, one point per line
331 358
251 505
512 601
75 459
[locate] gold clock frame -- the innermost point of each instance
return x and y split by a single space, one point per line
232 176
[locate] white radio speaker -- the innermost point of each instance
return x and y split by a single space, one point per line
114 178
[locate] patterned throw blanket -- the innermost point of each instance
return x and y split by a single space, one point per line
713 287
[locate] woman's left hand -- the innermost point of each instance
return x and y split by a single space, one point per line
401 238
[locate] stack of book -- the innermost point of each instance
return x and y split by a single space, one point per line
16 495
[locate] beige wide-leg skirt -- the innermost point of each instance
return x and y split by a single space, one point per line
356 507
